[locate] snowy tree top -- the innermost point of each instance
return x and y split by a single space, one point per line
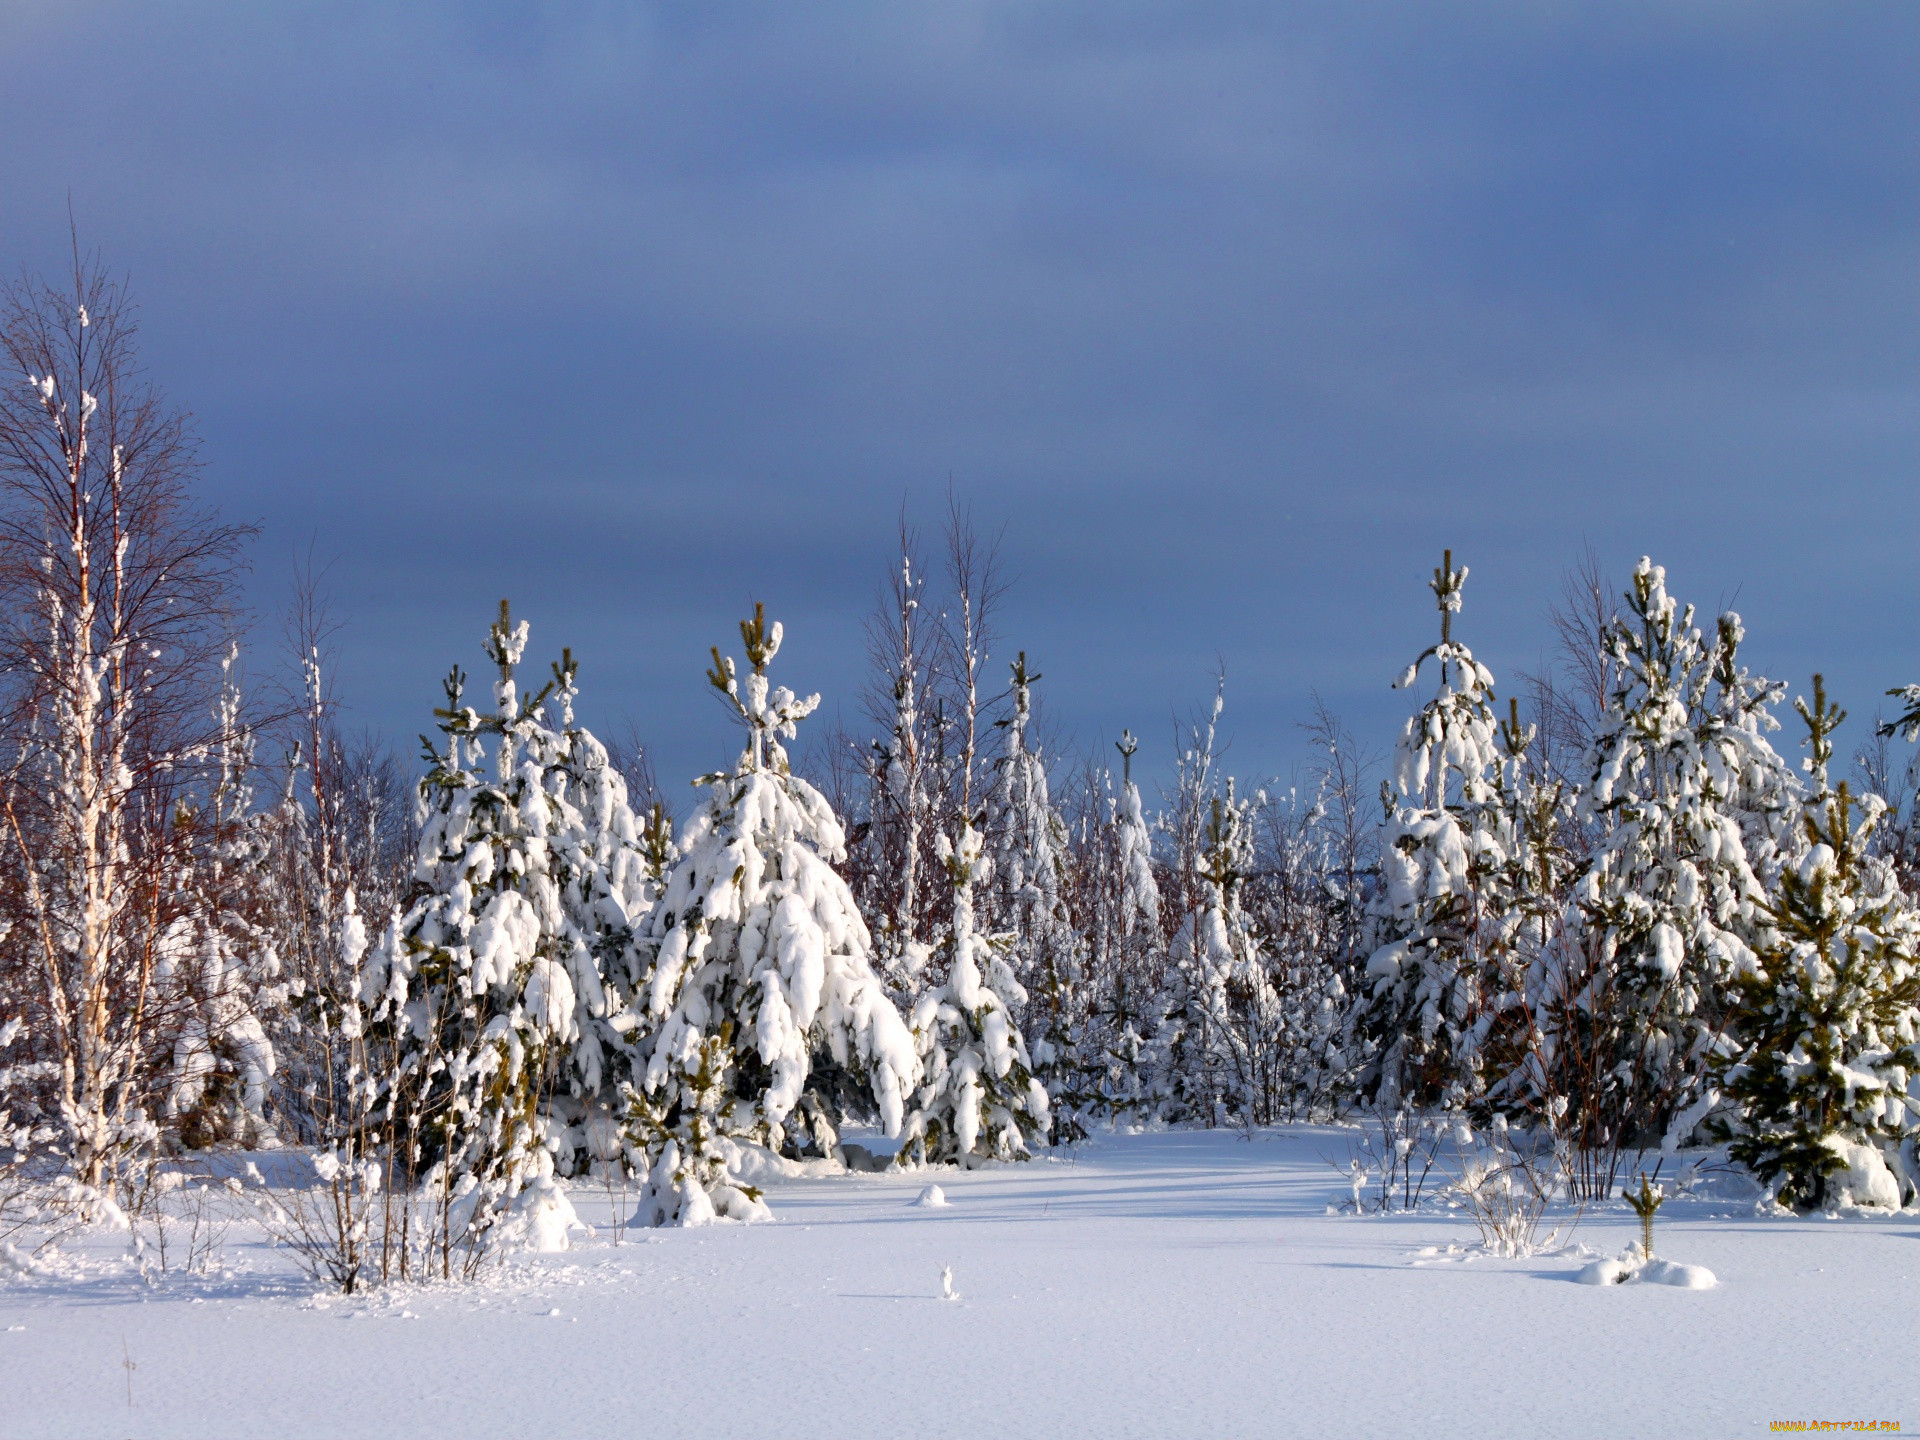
768 715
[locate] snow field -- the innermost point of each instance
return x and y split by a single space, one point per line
1169 1284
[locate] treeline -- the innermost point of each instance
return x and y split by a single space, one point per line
1611 917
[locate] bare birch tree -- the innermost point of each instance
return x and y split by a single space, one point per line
116 599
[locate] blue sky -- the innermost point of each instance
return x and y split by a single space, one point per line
1233 315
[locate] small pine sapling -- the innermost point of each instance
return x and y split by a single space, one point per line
473 987
756 972
1669 907
1826 1030
1646 1202
980 1099
1223 1006
1027 841
1443 853
1124 1000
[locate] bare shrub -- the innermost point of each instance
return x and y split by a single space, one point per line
1507 1185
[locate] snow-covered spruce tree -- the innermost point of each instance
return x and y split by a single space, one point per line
609 866
1826 1030
1668 911
1442 852
217 975
478 987
1116 1054
759 972
901 785
1512 1041
1219 1008
979 1099
1168 1071
1026 839
1299 911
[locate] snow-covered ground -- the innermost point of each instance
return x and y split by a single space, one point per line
1169 1284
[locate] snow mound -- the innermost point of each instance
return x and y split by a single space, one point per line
544 1218
22 1263
758 1166
1866 1183
1685 1277
931 1198
1629 1268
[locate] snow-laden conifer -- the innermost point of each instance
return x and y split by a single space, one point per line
1115 1051
1298 910
608 864
481 984
759 968
1139 889
1442 848
890 875
1669 909
217 975
1828 1034
979 1099
1218 1005
1026 840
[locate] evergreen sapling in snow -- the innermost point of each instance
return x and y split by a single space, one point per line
1027 840
980 1099
478 985
1123 1010
758 973
1827 1026
1219 1005
216 972
1443 849
1669 910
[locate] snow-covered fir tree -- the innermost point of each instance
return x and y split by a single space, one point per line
979 1099
902 780
1442 850
1218 1005
1827 1033
1525 873
1299 911
759 972
217 976
1025 838
609 866
1114 1051
1668 910
480 985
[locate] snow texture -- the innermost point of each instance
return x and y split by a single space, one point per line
1174 1283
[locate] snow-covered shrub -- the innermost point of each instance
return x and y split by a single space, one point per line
1396 1155
757 970
1506 1185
